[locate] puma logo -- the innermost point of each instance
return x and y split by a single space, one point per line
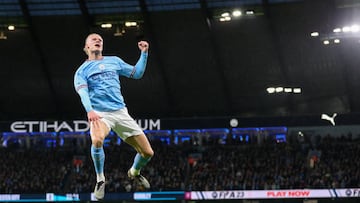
328 118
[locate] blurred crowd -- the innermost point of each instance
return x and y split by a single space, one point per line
319 162
332 163
33 171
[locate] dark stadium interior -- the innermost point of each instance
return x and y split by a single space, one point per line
203 71
198 66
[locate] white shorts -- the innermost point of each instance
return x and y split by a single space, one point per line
121 123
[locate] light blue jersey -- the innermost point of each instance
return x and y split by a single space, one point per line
98 84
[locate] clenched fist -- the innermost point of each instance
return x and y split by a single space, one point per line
143 46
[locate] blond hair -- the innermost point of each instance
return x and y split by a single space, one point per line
84 49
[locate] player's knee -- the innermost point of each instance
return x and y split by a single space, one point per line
148 153
97 141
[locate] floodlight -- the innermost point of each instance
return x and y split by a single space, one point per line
287 89
11 27
226 14
236 13
346 29
130 24
249 12
106 25
354 28
297 90
270 90
314 34
336 30
279 89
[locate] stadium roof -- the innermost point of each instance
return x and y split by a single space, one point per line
200 64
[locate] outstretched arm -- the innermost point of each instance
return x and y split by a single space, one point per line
140 66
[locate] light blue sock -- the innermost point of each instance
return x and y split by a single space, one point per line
139 162
98 157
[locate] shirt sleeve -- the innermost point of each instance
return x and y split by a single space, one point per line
137 71
81 88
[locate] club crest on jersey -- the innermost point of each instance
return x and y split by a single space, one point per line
101 66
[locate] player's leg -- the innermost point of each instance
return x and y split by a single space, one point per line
98 132
144 153
131 133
